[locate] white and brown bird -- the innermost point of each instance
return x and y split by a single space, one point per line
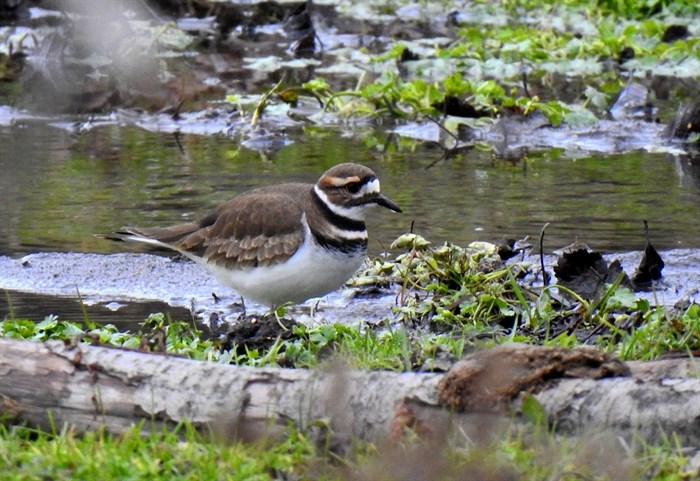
284 243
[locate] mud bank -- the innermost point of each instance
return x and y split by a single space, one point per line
118 283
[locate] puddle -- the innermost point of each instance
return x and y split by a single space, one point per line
60 189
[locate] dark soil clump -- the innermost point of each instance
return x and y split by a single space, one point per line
258 332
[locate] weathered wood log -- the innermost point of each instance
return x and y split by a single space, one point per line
89 386
54 384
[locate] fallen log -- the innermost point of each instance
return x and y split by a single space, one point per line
86 387
56 384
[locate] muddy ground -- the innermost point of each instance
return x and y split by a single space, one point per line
131 286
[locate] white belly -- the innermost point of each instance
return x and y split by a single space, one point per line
311 272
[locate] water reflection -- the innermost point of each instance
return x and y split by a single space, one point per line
127 315
688 170
60 188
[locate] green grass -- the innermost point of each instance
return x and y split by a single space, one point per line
142 454
460 299
388 349
182 453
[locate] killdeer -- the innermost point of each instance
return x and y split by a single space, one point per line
284 243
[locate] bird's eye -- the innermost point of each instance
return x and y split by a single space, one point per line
353 187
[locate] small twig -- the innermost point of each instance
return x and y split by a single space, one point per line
523 77
176 136
443 128
545 275
176 113
646 231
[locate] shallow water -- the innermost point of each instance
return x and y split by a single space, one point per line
59 188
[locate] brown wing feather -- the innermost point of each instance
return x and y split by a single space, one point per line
259 228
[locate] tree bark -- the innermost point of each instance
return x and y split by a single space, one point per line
89 386
54 384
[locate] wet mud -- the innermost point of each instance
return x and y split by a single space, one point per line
136 284
128 287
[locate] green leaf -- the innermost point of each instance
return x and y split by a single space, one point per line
48 323
456 86
622 297
533 411
491 89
